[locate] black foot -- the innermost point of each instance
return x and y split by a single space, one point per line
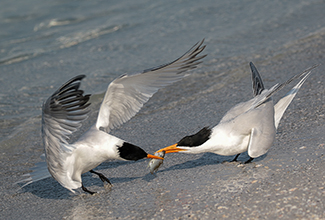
235 159
101 176
86 190
249 160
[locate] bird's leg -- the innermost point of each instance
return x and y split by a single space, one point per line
101 176
86 190
249 160
235 159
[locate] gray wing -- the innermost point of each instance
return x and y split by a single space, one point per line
126 95
260 123
63 113
260 142
237 110
257 81
242 107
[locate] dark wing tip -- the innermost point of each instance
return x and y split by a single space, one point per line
72 80
68 100
190 62
257 81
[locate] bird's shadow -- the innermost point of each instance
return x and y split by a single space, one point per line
204 160
49 188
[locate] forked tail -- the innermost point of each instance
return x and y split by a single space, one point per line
266 94
283 103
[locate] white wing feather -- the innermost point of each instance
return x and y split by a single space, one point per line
63 113
284 102
126 95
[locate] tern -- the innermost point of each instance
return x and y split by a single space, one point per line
248 126
65 110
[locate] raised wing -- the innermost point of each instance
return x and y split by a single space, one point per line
126 95
257 81
63 113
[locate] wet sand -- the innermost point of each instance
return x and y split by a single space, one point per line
286 183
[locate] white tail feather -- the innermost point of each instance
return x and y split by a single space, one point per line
283 103
40 172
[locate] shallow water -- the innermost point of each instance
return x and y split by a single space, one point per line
43 44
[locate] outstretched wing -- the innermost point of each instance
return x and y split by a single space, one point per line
126 95
63 113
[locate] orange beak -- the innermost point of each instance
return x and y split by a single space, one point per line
171 149
149 156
